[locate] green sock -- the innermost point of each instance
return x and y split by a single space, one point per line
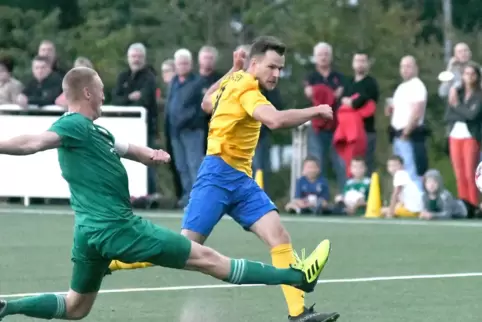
47 306
248 272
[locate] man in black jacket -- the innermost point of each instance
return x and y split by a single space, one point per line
44 87
137 87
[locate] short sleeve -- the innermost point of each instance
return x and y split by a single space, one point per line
419 92
251 99
400 179
72 130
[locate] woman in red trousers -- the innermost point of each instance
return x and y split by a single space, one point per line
464 116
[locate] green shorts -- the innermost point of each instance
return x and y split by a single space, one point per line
138 241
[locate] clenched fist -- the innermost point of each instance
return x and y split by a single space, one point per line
325 111
160 156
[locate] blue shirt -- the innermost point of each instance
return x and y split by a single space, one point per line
183 103
319 187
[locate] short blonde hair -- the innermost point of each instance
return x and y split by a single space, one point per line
76 80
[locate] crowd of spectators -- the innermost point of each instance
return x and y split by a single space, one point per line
348 142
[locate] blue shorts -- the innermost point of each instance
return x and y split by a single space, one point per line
220 189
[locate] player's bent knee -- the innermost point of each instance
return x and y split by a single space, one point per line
191 235
206 260
78 306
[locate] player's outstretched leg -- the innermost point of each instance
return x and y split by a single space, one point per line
73 306
303 274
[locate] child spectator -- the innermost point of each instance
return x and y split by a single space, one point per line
355 192
438 202
312 193
406 200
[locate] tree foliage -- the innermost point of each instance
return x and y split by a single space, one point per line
385 29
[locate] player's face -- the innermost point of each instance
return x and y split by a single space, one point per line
431 185
393 166
207 60
360 63
358 169
40 69
268 69
136 59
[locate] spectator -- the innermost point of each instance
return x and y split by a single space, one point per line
43 88
355 193
455 67
208 75
79 62
360 89
438 202
407 131
185 122
324 86
137 87
464 118
47 49
10 88
168 73
406 200
312 192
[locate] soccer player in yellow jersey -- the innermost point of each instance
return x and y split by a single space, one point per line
224 184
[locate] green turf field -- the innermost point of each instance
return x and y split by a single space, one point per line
380 271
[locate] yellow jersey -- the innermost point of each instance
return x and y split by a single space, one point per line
233 132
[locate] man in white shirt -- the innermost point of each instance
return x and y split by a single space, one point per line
406 200
407 111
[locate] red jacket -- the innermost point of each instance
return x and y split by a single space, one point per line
322 94
350 138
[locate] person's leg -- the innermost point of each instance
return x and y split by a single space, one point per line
88 271
471 156
456 158
262 159
336 160
207 205
181 165
254 211
370 154
405 150
194 150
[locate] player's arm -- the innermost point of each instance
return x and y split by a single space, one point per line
30 144
274 119
141 154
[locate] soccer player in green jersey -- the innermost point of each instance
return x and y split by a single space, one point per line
105 226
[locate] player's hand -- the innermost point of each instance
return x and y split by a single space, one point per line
160 156
239 57
325 111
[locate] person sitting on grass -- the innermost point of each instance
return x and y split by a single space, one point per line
355 192
406 200
438 202
312 192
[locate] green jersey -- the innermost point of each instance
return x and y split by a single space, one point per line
97 178
362 186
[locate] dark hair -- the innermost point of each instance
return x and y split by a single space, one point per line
396 158
358 159
266 43
8 62
42 58
311 158
478 76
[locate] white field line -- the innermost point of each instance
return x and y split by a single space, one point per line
223 286
294 219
